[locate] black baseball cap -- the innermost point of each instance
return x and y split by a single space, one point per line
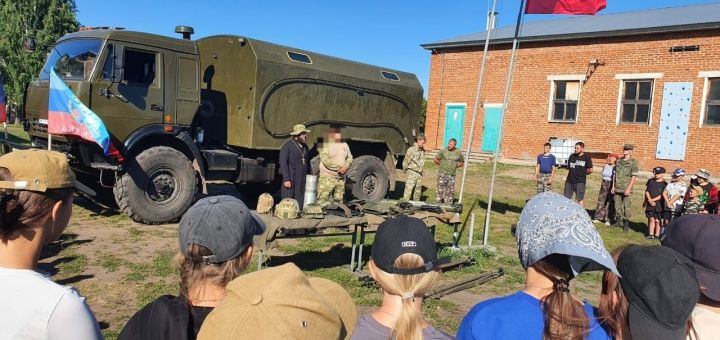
223 224
662 290
658 170
402 235
697 237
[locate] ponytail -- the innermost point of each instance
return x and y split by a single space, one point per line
565 317
409 287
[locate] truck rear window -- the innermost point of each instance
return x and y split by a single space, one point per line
299 57
390 75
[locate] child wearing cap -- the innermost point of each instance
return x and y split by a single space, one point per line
673 195
403 261
556 241
658 291
694 205
654 204
35 208
697 238
709 195
216 236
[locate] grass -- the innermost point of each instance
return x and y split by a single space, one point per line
140 281
16 134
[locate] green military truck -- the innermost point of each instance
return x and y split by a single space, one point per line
184 112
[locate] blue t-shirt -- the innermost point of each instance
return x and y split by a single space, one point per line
546 163
517 316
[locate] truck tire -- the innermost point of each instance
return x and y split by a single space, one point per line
370 179
158 186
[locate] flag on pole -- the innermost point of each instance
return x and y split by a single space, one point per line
67 115
3 112
586 7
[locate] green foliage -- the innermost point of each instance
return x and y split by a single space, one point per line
423 111
46 21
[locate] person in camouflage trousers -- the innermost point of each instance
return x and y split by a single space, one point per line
448 161
413 165
624 177
335 160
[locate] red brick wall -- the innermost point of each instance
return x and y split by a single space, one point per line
454 73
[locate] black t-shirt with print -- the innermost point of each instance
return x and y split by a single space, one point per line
577 168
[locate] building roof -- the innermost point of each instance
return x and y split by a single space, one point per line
661 20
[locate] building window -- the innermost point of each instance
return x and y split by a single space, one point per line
712 102
636 101
299 57
565 100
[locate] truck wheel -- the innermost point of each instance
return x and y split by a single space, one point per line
370 178
158 186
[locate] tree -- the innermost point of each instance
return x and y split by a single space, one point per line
423 110
45 21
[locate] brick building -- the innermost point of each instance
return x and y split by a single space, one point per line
651 78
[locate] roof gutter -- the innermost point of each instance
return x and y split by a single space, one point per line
575 36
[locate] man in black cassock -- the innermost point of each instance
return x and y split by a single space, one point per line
295 164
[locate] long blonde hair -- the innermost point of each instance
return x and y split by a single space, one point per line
193 270
409 323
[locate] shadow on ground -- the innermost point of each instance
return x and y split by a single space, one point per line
337 255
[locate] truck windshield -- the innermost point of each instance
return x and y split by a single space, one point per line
73 59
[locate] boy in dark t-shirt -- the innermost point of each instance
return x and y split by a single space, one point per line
654 204
579 166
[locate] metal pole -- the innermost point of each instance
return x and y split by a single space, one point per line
502 120
478 91
49 142
472 229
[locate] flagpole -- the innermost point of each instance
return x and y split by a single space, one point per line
478 91
506 99
49 139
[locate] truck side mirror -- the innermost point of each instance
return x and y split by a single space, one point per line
118 68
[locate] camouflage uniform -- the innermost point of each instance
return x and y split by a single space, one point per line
542 183
331 186
605 207
624 171
446 174
694 206
413 165
330 189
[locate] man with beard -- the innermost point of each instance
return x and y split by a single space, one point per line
294 164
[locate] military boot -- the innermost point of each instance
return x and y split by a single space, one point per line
626 225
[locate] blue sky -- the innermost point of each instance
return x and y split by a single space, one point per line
386 33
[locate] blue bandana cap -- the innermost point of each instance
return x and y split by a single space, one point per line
552 224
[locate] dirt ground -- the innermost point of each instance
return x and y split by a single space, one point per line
120 265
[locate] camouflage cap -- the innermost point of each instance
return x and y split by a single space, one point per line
287 209
628 147
703 173
298 129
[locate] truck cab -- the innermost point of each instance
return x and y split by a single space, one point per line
183 112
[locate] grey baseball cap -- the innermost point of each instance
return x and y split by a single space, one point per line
552 224
223 224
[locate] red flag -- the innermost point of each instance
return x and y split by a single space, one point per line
587 7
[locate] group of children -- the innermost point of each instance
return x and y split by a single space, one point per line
663 201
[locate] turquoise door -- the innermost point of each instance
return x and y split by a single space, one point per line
454 124
491 128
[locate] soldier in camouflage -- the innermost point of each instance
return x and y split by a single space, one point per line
448 161
413 165
335 160
625 175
